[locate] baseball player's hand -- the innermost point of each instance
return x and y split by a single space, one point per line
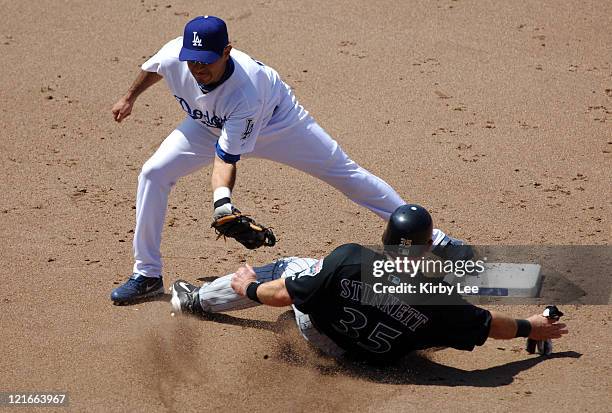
122 109
543 328
242 278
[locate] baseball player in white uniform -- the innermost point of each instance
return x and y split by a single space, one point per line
235 107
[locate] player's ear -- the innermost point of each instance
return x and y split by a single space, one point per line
227 50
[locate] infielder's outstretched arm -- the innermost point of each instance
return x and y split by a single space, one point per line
223 174
222 180
123 108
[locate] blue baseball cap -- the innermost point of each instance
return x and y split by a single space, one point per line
204 39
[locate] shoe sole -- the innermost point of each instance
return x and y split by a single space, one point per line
159 291
175 301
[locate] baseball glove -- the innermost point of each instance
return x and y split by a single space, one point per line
243 229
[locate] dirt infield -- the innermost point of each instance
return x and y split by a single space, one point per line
494 115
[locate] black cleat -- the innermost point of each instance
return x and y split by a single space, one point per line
186 298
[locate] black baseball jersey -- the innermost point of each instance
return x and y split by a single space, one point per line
336 299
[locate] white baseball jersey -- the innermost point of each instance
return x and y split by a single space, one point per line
253 101
251 104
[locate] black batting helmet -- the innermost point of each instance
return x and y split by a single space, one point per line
409 224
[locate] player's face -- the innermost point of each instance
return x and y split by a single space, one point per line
209 73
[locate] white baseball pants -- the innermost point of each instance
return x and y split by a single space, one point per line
304 146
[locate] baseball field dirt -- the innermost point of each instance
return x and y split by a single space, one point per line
493 115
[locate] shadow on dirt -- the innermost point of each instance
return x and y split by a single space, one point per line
415 368
161 297
278 326
419 370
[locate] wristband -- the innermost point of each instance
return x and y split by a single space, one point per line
221 196
221 192
251 291
221 202
523 328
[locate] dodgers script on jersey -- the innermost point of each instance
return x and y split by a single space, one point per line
252 102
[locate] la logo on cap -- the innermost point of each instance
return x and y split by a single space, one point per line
196 40
204 40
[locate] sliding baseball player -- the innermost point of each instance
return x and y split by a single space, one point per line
339 312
